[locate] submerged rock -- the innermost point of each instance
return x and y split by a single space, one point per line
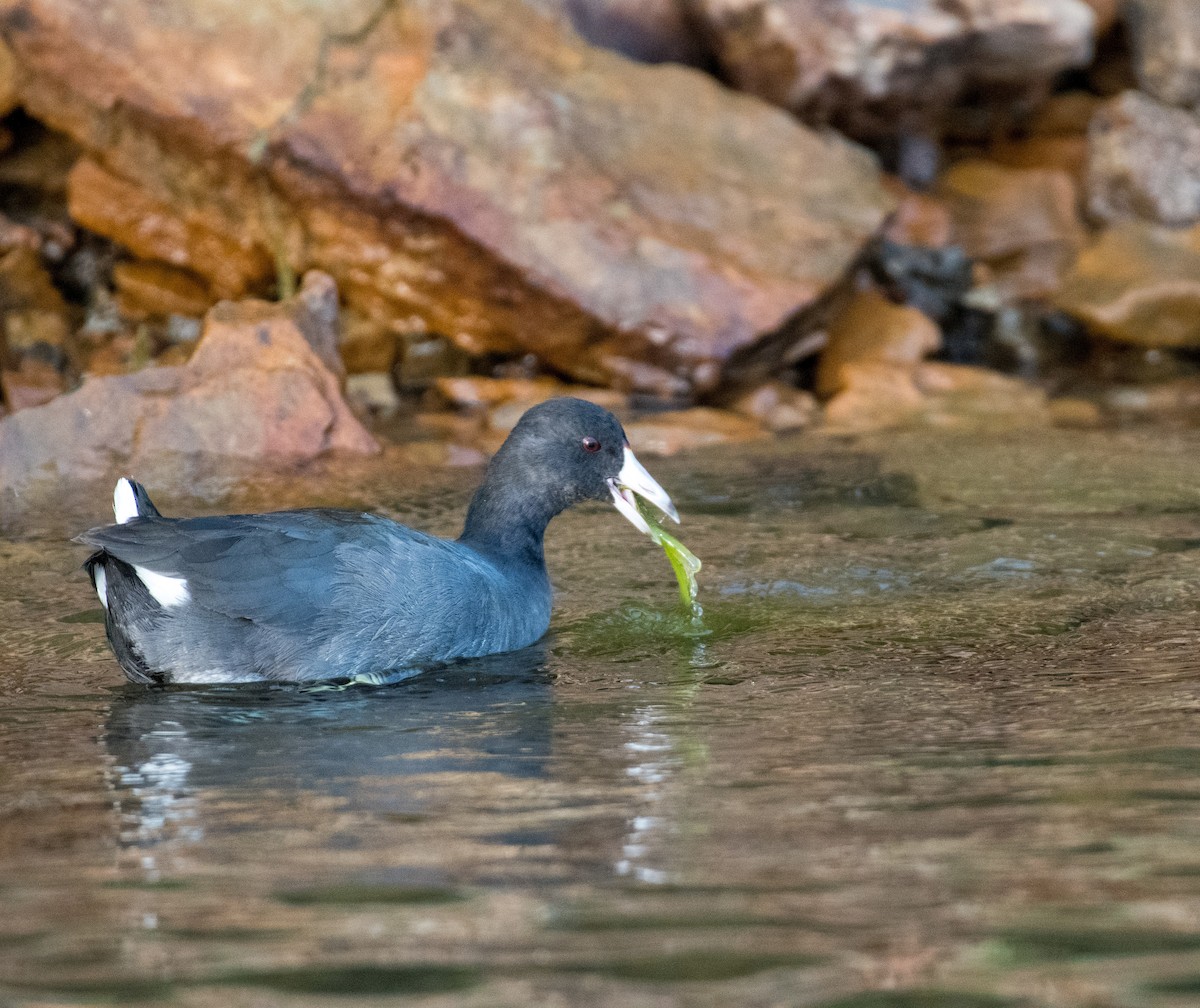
882 69
460 167
1144 161
1138 284
254 388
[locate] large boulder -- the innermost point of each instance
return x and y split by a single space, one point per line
879 68
1166 46
460 167
255 388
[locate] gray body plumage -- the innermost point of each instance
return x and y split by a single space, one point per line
328 594
309 595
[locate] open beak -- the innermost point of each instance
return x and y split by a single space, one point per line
633 479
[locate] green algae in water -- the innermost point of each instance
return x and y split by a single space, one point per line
684 562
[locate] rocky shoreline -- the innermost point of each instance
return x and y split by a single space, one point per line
841 213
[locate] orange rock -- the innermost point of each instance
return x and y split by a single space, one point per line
254 388
122 210
683 430
872 331
1056 153
147 289
874 396
1138 284
1023 222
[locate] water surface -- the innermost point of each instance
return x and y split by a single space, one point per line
935 744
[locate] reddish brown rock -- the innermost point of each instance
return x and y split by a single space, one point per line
882 69
684 430
1138 284
1023 222
156 230
461 167
254 388
1144 161
1166 45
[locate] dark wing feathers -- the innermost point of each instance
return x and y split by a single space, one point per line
258 567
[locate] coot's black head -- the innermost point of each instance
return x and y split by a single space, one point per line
561 452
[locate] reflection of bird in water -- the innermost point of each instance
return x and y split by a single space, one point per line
184 760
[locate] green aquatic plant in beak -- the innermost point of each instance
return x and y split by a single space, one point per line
684 562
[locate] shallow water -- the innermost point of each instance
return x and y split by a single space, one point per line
935 745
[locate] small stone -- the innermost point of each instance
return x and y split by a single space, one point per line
373 394
1176 402
683 430
778 407
957 394
872 331
1144 161
32 308
888 68
875 396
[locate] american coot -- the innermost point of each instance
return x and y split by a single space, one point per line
321 594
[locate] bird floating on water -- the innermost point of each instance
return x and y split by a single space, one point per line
322 594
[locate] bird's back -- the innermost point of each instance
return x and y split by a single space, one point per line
304 595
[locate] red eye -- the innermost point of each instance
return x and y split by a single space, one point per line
590 444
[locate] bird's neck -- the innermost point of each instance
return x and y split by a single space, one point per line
507 523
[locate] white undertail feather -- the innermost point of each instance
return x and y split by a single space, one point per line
101 585
124 502
166 591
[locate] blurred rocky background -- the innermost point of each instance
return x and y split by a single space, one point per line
222 222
